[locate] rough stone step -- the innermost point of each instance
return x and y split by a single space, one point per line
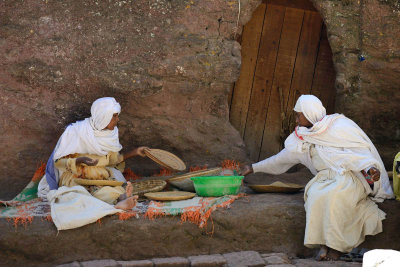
244 258
262 222
214 260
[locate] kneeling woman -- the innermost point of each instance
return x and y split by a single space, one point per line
349 177
89 149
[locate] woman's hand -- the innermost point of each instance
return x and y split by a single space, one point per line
87 161
139 151
374 173
247 169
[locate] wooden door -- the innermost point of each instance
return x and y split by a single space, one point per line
285 53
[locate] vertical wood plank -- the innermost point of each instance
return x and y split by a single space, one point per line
306 56
303 74
263 78
282 80
324 78
242 90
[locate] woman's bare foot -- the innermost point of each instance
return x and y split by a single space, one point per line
333 255
322 253
128 192
127 204
128 189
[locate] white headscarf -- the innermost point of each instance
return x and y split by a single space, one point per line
340 142
311 107
314 111
89 136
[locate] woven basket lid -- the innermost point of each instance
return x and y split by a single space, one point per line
195 173
141 187
81 181
165 159
277 187
170 195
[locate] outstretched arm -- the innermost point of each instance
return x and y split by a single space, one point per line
276 164
139 151
247 169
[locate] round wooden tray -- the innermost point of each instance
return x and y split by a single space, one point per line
183 181
81 181
277 187
141 187
170 195
195 173
165 159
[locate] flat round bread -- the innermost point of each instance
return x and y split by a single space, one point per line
277 187
81 181
165 159
170 195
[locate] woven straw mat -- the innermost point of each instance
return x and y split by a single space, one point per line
277 187
141 187
81 181
165 159
188 175
169 196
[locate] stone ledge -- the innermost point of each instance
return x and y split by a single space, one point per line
263 222
214 260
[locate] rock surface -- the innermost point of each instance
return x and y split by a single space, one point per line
262 222
171 65
366 53
231 260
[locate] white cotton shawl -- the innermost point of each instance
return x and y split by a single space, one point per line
87 136
340 142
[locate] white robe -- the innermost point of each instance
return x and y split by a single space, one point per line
338 200
339 213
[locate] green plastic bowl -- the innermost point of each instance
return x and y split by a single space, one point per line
215 186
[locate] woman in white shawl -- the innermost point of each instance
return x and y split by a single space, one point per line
90 149
349 177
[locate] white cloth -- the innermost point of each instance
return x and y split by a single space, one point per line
338 212
102 111
311 107
73 207
381 258
340 142
44 188
88 136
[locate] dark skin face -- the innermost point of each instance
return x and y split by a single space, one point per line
114 121
139 151
301 120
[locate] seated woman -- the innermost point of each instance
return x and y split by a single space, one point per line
339 205
89 149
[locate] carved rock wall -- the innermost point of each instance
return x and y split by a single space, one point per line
364 37
171 65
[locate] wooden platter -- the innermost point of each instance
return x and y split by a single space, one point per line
277 187
81 181
183 181
170 195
